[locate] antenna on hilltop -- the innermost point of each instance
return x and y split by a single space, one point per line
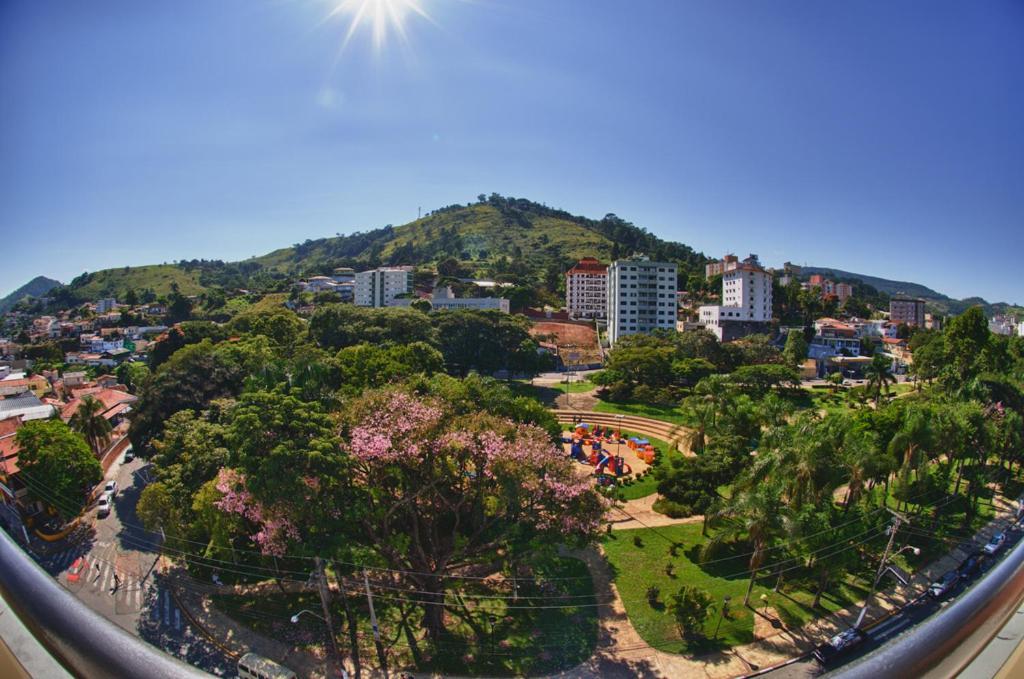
419 212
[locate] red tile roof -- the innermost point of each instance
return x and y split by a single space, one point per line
110 398
588 265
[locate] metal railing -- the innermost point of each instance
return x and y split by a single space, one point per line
945 644
83 641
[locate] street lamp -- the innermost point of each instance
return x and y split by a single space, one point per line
721 614
295 618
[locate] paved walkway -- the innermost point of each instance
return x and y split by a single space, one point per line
622 652
640 513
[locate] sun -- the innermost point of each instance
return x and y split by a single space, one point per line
382 17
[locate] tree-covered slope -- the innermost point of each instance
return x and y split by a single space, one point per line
37 287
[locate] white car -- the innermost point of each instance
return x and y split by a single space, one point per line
111 488
995 544
103 505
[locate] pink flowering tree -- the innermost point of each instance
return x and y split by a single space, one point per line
443 490
287 475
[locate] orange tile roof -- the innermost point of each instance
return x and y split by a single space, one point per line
110 398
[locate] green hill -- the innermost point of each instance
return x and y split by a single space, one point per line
115 282
938 302
525 242
37 287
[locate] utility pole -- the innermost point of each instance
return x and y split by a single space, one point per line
896 520
321 583
376 629
353 632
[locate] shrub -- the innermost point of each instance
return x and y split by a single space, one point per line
653 594
637 541
672 509
690 607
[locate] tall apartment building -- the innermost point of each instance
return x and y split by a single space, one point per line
727 263
641 297
380 287
746 302
106 305
906 311
586 289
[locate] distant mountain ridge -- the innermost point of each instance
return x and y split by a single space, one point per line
37 287
942 303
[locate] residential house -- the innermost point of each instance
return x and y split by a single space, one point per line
833 338
26 405
116 403
37 385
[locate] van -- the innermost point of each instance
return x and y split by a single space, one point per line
253 666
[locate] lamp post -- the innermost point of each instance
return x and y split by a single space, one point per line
886 556
295 618
721 614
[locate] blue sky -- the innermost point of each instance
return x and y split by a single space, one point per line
881 137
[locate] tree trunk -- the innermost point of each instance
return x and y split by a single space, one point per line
433 612
822 584
750 589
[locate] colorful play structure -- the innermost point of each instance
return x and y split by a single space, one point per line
608 466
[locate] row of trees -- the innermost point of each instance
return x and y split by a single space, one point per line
807 487
661 366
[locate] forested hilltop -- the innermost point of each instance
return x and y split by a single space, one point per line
513 240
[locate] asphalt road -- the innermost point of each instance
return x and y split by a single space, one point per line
912 614
120 580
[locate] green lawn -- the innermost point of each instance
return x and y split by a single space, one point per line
655 412
499 636
637 568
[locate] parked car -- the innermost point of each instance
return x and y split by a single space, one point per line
970 566
75 572
129 454
943 585
839 644
111 488
103 506
995 543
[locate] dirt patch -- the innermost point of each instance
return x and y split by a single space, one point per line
576 343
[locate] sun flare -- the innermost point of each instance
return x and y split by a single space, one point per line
382 17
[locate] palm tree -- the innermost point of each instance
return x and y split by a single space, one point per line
701 411
756 516
879 376
914 437
88 421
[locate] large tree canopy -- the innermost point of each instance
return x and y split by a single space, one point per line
57 465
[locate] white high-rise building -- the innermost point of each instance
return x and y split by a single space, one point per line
641 297
380 287
586 289
746 302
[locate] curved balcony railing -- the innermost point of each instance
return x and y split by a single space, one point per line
83 641
945 644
